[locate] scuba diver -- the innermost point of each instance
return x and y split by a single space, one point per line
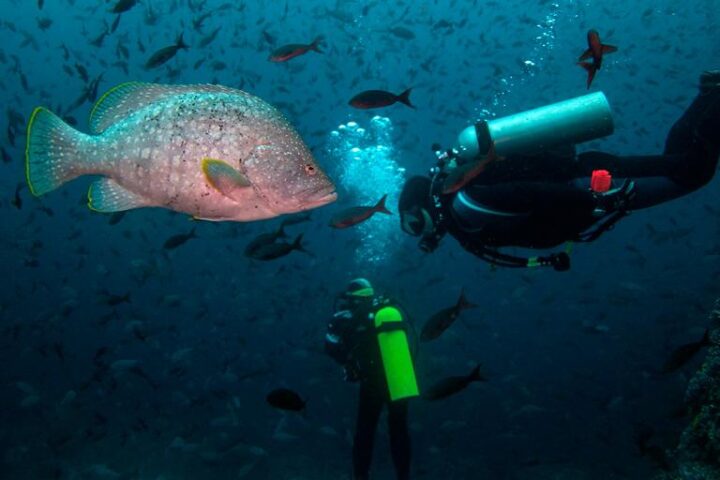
531 190
368 337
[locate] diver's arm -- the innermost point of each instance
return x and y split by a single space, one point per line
335 345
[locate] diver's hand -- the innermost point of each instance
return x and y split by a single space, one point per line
352 373
342 315
560 261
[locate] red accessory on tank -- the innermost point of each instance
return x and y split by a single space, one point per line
600 181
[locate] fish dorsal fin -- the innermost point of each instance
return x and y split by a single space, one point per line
224 178
106 196
120 102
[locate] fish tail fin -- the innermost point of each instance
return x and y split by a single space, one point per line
404 97
476 375
315 45
585 55
463 303
590 69
297 244
180 43
380 206
281 231
53 152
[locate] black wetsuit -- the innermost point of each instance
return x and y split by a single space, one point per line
543 200
352 342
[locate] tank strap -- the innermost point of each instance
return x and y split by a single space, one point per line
392 327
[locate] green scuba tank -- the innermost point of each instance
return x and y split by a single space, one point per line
395 354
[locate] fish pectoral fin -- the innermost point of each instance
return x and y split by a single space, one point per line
224 178
609 49
107 196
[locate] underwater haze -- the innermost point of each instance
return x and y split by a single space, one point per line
142 345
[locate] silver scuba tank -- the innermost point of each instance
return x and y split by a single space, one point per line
568 122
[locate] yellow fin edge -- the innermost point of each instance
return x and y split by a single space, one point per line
105 95
27 148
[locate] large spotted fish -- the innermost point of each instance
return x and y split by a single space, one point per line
213 152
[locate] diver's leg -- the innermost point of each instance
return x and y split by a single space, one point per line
696 135
399 438
370 405
692 149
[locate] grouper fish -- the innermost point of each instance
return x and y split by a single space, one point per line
212 152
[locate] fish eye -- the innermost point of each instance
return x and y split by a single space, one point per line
309 169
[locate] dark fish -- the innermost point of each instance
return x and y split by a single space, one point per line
139 372
113 300
379 98
402 32
177 240
164 54
40 4
354 215
123 6
277 250
595 50
452 385
285 399
116 217
208 39
24 82
463 174
99 353
6 158
59 350
122 51
198 22
82 72
442 320
654 453
46 210
98 41
92 89
263 240
286 52
268 38
115 24
683 354
17 201
44 23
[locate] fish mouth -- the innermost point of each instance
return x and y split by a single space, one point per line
319 196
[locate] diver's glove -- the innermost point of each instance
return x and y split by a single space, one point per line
709 81
560 261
